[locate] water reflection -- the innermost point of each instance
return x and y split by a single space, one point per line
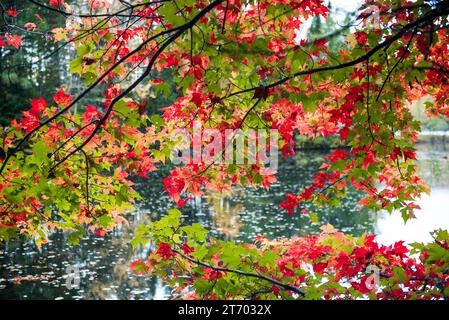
26 273
225 213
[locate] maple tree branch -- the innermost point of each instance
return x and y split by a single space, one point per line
223 152
426 19
243 273
249 111
400 60
73 136
87 179
436 280
165 44
373 139
224 17
178 32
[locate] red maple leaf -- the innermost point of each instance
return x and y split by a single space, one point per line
361 37
187 249
56 3
164 250
409 154
101 232
62 99
211 274
290 203
14 40
37 106
181 202
12 12
319 267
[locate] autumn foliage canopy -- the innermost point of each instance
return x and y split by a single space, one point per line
237 65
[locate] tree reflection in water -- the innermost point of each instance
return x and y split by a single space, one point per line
225 214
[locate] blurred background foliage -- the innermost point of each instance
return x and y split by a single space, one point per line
24 73
428 123
39 67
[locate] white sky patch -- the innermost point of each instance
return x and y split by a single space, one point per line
340 5
348 5
433 215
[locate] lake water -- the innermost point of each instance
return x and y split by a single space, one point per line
26 273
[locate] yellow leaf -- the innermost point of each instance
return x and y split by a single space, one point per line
59 34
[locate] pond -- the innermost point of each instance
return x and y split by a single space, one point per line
26 273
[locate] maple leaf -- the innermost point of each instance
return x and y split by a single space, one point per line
181 202
319 267
211 274
59 34
409 154
336 155
37 106
101 232
361 37
140 266
164 250
56 3
12 12
30 26
290 203
62 99
14 40
399 248
187 249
